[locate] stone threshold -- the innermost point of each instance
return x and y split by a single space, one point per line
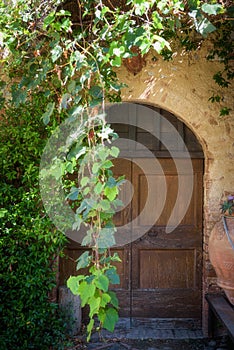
153 328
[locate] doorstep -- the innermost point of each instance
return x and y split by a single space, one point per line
153 328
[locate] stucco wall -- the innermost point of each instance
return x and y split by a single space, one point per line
183 87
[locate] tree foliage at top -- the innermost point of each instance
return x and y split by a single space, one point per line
70 49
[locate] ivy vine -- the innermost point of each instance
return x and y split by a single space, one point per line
92 191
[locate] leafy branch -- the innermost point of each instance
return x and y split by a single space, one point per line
51 49
92 192
95 200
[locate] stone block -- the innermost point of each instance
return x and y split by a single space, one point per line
70 305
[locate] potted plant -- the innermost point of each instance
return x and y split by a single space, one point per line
227 207
221 248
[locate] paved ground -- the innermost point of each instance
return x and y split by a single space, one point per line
154 344
154 328
152 335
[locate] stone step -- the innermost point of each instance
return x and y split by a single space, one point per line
139 328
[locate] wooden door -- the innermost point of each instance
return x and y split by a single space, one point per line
161 272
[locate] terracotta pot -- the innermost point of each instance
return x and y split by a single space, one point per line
221 253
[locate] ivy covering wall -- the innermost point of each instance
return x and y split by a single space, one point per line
28 241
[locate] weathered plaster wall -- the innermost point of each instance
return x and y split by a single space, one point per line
183 87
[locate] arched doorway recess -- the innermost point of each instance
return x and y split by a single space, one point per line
160 273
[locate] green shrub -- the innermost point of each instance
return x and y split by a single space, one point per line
28 241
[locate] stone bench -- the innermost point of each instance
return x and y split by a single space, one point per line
222 310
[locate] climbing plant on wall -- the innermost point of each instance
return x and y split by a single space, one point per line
29 244
60 58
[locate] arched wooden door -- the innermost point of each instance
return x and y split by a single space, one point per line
160 273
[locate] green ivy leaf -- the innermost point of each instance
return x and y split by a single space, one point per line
116 61
117 203
111 192
212 9
57 169
87 240
91 203
84 181
202 24
96 92
73 195
119 51
70 167
99 188
105 299
3 212
90 328
205 27
105 205
86 191
107 164
116 257
101 314
106 238
160 44
111 182
102 282
49 19
110 319
86 291
94 305
103 153
83 260
114 300
95 168
73 283
76 152
56 52
112 275
49 110
71 86
77 223
220 80
114 151
18 96
193 4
